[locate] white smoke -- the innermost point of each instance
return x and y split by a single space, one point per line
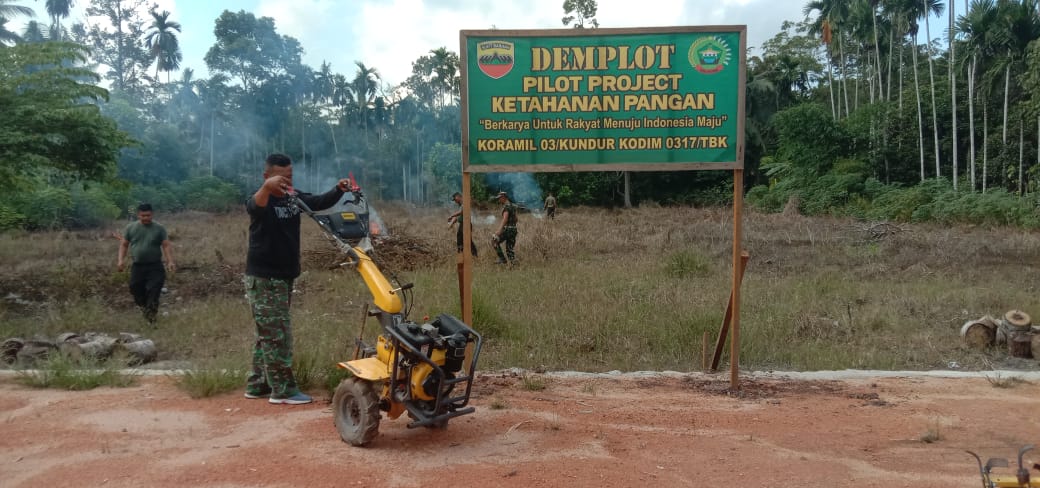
521 187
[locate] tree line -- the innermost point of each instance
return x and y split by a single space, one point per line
849 109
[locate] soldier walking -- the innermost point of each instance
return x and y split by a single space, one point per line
506 232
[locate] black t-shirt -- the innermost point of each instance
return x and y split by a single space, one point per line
274 234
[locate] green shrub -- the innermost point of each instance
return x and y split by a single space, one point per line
92 206
66 374
203 383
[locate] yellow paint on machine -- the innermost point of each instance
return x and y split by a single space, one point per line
371 369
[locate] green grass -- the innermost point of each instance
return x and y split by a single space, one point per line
62 373
597 290
531 382
204 383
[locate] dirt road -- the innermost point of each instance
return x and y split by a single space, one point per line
630 430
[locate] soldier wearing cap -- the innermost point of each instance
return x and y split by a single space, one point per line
506 232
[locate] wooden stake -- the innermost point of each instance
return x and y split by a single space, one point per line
734 344
720 343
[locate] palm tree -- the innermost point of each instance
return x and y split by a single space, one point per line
9 11
446 67
34 33
58 9
831 20
364 88
1018 26
6 36
952 74
976 24
162 43
927 8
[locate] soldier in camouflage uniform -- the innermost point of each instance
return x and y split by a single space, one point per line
506 232
272 263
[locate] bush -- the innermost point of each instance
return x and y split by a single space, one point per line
92 207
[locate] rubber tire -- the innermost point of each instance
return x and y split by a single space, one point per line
355 407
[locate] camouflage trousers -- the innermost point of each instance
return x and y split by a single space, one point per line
509 239
272 352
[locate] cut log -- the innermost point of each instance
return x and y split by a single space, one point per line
1018 321
979 334
68 336
1021 345
99 348
125 337
138 352
9 349
34 351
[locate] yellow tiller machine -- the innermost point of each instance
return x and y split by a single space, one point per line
416 368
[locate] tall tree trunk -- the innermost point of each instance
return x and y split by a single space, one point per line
830 79
931 82
900 64
985 143
1003 150
920 118
971 118
953 95
877 53
855 86
1021 156
891 43
844 72
628 190
212 118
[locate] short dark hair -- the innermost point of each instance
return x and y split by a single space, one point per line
277 159
456 194
144 207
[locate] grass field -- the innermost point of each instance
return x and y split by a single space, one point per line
596 290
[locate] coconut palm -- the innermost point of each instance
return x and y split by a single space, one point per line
162 43
58 9
6 36
9 11
364 87
34 32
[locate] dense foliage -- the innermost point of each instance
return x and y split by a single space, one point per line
849 109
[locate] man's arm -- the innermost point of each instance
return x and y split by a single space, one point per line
124 245
275 185
167 250
502 224
329 198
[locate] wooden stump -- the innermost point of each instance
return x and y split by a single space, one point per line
1036 346
9 349
138 352
34 351
979 334
1018 321
1020 345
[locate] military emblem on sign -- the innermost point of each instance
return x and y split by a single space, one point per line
709 54
495 58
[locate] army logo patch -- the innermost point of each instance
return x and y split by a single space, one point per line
709 55
495 58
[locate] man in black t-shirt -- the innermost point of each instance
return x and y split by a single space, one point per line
272 263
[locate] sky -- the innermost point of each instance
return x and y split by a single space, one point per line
390 34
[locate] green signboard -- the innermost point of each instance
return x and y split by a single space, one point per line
589 100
